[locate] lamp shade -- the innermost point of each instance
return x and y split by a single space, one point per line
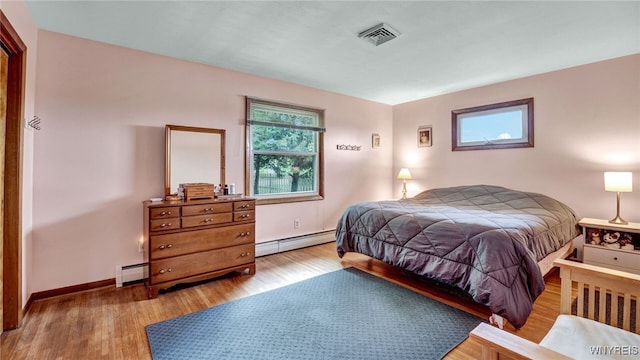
404 174
620 181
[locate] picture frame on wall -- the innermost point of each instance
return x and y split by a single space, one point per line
424 136
375 141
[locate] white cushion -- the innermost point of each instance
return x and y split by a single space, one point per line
582 338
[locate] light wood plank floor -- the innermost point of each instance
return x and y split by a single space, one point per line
109 323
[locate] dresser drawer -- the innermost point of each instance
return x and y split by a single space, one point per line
164 224
164 212
243 215
204 220
191 210
612 258
244 205
187 242
199 263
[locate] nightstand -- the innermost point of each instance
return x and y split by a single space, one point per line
610 245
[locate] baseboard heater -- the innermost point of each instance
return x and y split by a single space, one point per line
296 242
129 274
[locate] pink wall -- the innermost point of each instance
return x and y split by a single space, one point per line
587 121
101 150
19 17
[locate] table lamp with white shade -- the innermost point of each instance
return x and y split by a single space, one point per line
618 181
404 175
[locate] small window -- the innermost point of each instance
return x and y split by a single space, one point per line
284 152
496 126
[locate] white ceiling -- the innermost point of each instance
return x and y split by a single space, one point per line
444 46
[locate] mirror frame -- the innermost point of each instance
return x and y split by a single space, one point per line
167 155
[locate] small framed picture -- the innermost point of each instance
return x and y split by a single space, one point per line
375 141
424 136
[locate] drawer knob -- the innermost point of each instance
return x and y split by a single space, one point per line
245 216
245 233
169 246
244 206
165 225
245 254
162 247
207 220
165 213
208 209
162 271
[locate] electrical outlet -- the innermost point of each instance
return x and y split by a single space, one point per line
296 223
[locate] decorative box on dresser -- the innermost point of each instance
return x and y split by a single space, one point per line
197 240
613 246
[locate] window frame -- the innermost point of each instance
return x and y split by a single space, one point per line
527 126
285 197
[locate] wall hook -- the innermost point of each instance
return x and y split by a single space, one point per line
35 123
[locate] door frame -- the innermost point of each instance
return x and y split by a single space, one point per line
11 260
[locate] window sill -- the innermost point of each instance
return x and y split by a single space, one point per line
284 200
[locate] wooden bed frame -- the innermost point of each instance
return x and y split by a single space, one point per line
587 277
546 264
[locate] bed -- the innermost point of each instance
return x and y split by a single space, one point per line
486 240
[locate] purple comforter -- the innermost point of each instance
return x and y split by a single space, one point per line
485 240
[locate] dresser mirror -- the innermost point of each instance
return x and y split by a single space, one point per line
193 155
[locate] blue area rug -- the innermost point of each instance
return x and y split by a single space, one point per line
345 314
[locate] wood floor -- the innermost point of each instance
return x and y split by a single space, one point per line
109 323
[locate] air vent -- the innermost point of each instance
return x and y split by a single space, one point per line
379 34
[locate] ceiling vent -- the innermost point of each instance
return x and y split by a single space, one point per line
379 34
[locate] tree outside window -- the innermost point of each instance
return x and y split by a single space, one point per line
284 152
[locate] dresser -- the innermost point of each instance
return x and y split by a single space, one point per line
197 240
613 246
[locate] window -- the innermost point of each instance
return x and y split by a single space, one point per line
495 126
284 152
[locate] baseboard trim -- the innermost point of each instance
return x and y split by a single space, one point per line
296 242
66 290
